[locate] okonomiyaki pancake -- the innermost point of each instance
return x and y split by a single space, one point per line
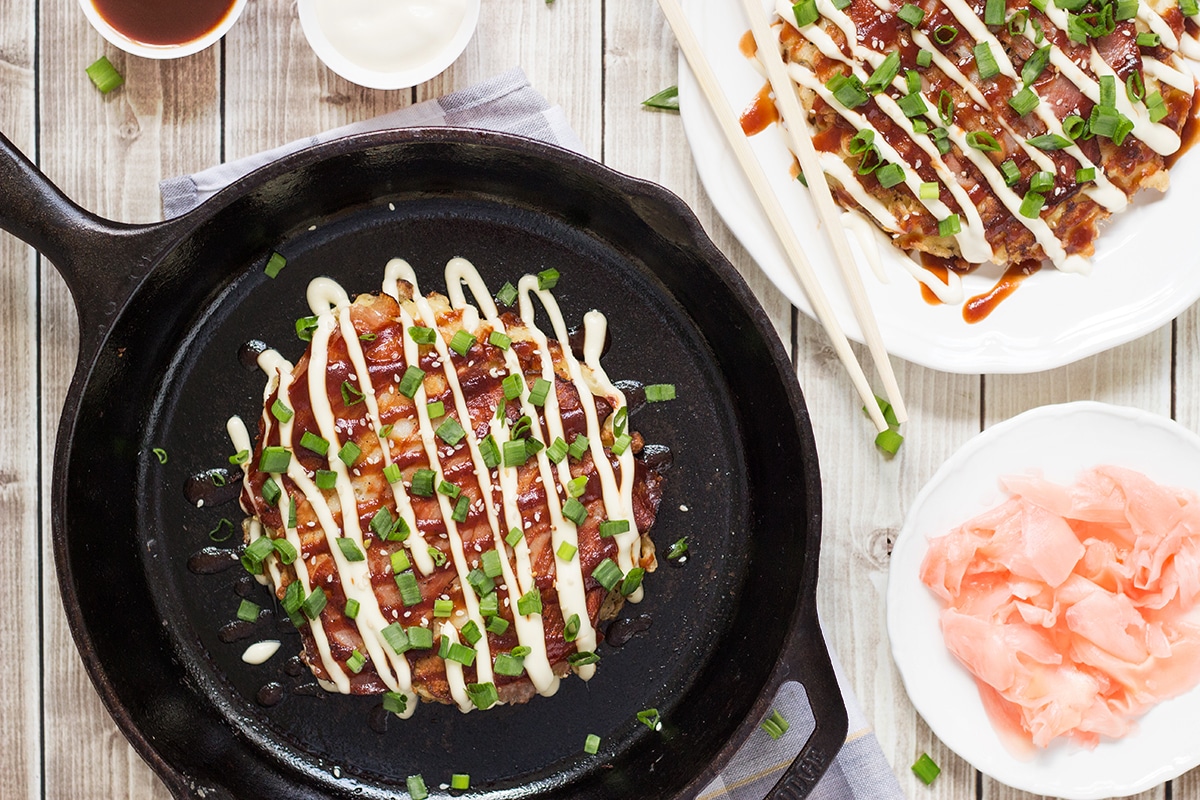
446 500
998 131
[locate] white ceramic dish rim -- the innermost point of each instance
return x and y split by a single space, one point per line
160 51
1141 279
1061 440
373 79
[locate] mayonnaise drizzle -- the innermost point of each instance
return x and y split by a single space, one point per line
331 305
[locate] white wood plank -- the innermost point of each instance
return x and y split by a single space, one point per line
866 496
108 153
641 59
21 760
1137 374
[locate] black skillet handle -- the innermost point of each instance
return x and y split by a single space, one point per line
101 261
807 660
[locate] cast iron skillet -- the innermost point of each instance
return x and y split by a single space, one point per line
163 310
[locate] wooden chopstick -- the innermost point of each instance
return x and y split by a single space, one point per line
801 139
766 197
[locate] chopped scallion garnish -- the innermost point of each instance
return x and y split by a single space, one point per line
579 445
993 12
314 603
884 74
632 580
395 702
411 381
104 75
1147 39
161 454
985 62
1035 65
352 608
498 339
350 394
1024 101
275 265
420 638
489 561
926 769
912 14
422 335
848 90
571 628
889 175
924 58
1041 182
285 550
508 293
222 532
929 190
410 593
310 441
416 788
439 558
515 453
607 574
539 391
422 482
271 491
461 509
240 457
775 725
1085 175
349 453
556 452
443 608
396 638
612 527
497 625
1049 141
356 662
392 473
248 611
591 745
450 431
325 479
460 781
913 105
280 411
566 551
805 13
483 695
547 279
666 100
462 342
621 444
305 327
650 718
945 34
512 385
530 603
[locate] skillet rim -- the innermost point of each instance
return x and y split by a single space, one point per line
159 240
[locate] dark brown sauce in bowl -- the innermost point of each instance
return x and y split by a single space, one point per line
164 23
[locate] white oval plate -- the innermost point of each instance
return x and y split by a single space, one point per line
1060 441
1144 274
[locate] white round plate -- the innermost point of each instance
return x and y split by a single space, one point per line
1059 441
1144 274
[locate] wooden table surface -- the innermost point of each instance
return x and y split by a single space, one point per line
262 87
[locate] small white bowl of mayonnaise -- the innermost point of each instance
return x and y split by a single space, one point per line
388 45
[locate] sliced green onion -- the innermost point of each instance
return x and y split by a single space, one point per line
539 391
314 603
1031 205
395 702
613 527
271 491
926 769
422 482
386 430
993 12
483 695
649 717
461 509
481 583
1125 9
950 226
439 558
621 444
530 603
884 74
508 292
1017 22
583 658
579 445
515 453
577 486
912 81
1124 128
945 107
349 453
326 479
1074 126
1024 101
350 549
912 14
1085 174
352 608
450 431
392 473
422 335
460 781
275 459
1070 5
607 574
435 409
311 441
1148 39
305 327
248 611
280 411
514 535
941 139
498 339
574 511
571 628
1156 105
1108 91
420 638
984 141
929 190
356 662
557 451
512 385
521 427
350 394
456 651
1033 68
443 608
396 638
805 13
462 342
275 265
913 105
411 381
841 5
945 34
924 58
1135 89
1041 182
416 788
775 725
222 532
368 337
240 457
591 745
400 561
497 625
547 279
632 580
889 441
104 75
985 62
489 561
566 551
489 604
848 90
1010 172
410 593
861 142
889 175
1050 141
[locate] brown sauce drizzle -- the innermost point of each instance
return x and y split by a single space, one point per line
980 306
1189 134
270 694
164 22
761 112
212 560
748 45
939 268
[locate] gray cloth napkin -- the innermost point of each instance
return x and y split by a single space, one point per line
507 103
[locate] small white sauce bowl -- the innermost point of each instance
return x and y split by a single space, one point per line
433 66
160 51
1060 442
